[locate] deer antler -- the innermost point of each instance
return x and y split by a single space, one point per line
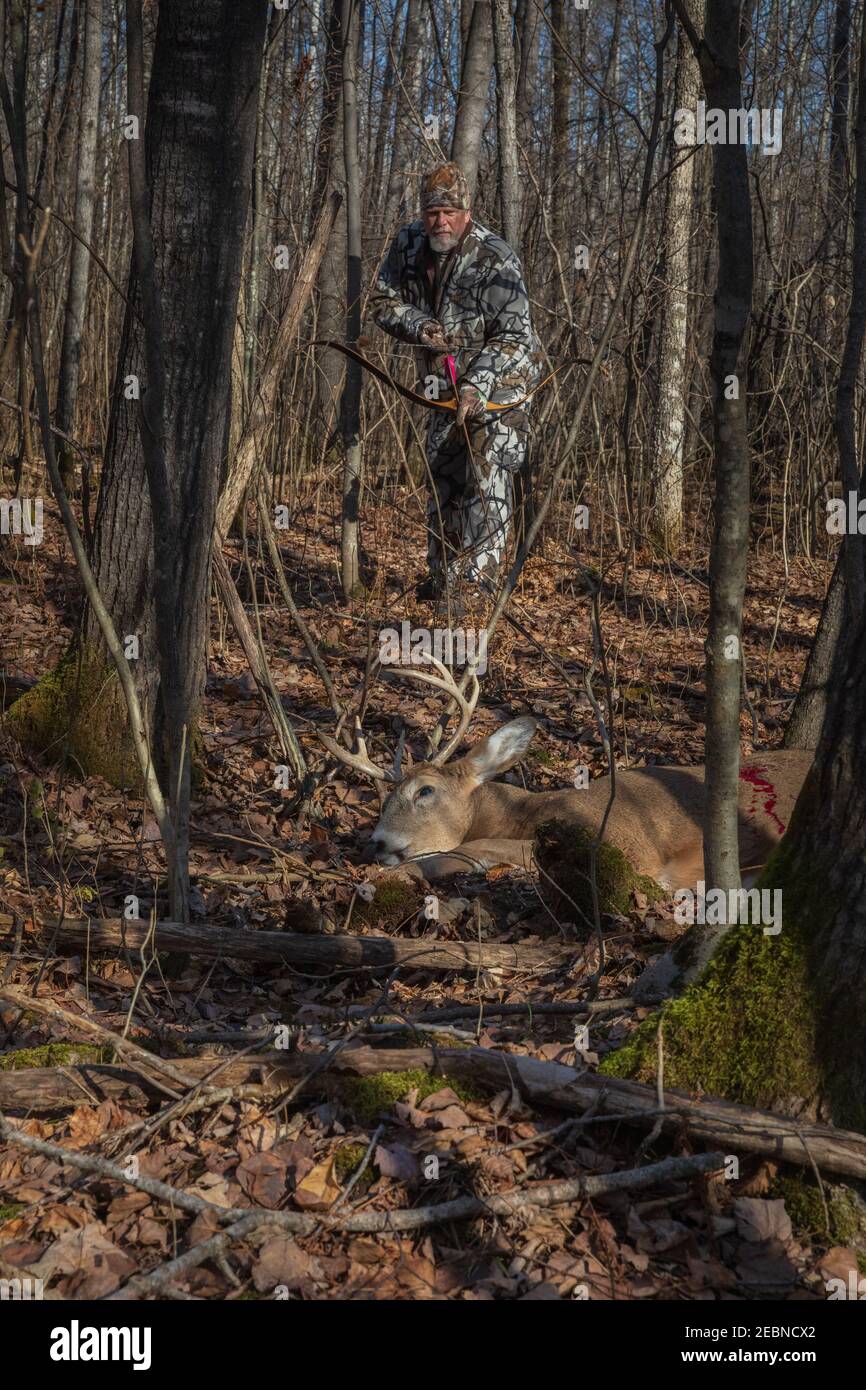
445 681
360 761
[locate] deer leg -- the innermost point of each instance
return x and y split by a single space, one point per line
474 855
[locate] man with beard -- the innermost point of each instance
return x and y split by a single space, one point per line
455 289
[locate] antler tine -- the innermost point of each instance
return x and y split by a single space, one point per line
396 772
356 760
360 761
445 681
467 709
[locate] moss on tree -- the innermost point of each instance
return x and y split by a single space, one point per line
563 853
754 1027
76 715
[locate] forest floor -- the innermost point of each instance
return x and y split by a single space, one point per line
81 847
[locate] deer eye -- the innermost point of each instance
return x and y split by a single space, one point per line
425 791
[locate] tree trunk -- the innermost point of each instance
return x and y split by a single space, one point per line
351 405
198 147
829 646
330 174
79 259
474 84
506 115
405 121
720 67
845 422
670 413
560 134
527 20
839 614
776 1019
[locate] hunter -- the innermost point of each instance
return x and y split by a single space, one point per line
452 287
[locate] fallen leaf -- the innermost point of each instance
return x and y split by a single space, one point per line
319 1189
762 1218
282 1261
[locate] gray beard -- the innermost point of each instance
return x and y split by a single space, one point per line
441 244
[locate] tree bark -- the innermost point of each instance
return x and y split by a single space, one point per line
845 422
198 149
330 174
79 260
474 84
506 114
559 135
350 567
670 413
719 58
406 119
839 613
829 646
777 1017
527 21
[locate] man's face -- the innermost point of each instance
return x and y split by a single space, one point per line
445 226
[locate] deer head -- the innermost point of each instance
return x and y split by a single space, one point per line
433 808
430 809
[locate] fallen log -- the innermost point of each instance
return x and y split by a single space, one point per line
719 1123
115 934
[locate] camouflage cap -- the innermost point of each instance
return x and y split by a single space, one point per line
445 187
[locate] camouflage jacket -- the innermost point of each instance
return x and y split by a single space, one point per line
481 303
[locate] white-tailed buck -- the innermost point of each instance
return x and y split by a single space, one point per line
449 817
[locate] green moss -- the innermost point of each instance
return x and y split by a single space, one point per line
76 715
563 853
346 1162
804 1206
394 902
10 1209
751 1028
744 1031
540 755
368 1097
55 1055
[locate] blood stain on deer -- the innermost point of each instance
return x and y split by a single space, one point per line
754 776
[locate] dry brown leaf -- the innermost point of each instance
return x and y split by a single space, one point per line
319 1189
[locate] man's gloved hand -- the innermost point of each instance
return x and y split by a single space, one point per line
433 336
471 405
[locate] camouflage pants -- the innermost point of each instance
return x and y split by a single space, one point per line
473 496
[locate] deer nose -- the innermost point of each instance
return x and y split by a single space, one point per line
370 851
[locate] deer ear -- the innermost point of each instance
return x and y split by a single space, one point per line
500 750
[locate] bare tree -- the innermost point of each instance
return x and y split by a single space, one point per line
669 421
474 81
506 107
718 52
80 256
351 404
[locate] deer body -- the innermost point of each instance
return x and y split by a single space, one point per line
449 818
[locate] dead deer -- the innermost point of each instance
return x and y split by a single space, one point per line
449 817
